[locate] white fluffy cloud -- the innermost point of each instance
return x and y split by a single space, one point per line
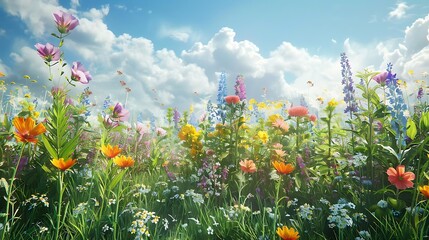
161 78
400 11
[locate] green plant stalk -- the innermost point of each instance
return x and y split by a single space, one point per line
118 199
60 200
276 204
9 194
297 134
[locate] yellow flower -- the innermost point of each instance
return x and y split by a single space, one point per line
186 131
63 165
262 105
273 118
27 95
332 103
252 101
424 190
411 72
26 129
286 233
110 151
123 161
263 136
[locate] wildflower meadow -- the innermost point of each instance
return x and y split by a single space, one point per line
246 169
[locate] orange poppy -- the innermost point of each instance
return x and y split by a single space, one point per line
26 129
283 168
63 165
400 178
424 190
123 161
110 151
286 233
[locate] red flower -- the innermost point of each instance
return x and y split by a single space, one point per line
298 111
313 118
232 99
400 178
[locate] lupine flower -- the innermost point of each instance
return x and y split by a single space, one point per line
298 111
381 78
48 52
286 233
347 81
120 114
110 151
400 178
283 168
248 166
424 190
80 74
123 161
221 94
65 21
232 99
63 165
26 129
420 93
240 88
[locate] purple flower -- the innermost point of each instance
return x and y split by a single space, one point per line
48 52
120 114
109 123
65 21
420 93
381 78
240 88
79 73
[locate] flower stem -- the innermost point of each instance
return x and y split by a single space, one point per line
60 200
9 195
118 199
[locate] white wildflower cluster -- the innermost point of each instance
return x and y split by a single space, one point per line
106 228
339 216
81 208
140 189
139 227
84 188
305 211
358 160
363 235
112 201
196 197
234 211
36 200
324 201
382 204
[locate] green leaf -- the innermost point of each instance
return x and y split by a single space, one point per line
397 204
48 147
116 179
3 183
425 119
411 129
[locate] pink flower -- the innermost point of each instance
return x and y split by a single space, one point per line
160 132
109 123
232 99
65 21
79 73
248 166
298 111
48 52
280 123
120 114
400 178
381 78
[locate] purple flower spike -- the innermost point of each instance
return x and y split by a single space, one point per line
65 21
79 73
48 52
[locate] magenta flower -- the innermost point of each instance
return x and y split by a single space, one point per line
381 78
109 123
65 21
79 73
120 114
48 52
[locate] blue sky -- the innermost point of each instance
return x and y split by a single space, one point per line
168 50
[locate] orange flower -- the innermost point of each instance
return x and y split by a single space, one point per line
286 233
248 166
123 161
63 165
424 190
283 168
400 178
280 123
298 111
2 74
26 129
110 151
232 99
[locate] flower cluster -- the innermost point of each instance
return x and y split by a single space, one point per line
139 226
347 81
192 139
